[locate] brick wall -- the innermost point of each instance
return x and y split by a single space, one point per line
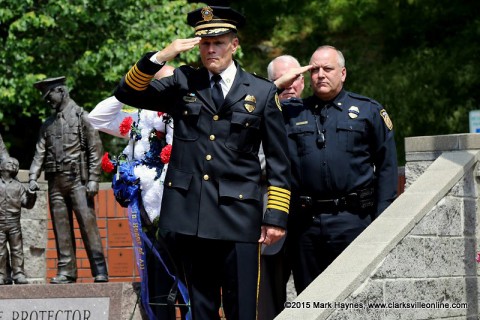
117 243
113 225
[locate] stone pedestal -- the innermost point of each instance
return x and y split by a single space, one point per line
106 301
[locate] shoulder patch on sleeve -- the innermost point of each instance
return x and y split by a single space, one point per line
386 119
277 101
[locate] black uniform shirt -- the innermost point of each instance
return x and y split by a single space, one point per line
357 148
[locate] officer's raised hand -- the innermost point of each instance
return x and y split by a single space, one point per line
176 47
289 77
92 188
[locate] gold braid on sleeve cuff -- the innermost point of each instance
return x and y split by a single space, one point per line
278 198
138 80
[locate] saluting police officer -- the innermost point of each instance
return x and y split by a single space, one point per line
69 149
344 168
212 197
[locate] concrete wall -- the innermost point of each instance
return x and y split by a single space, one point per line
421 251
34 231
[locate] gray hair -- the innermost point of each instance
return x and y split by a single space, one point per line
341 58
283 58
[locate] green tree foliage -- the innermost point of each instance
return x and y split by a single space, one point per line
91 42
419 58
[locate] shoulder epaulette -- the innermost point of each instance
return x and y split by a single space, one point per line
187 69
260 77
363 98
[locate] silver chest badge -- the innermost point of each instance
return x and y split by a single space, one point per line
353 112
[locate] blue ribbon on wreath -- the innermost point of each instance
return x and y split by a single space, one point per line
126 188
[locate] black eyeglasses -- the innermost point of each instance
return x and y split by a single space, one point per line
321 140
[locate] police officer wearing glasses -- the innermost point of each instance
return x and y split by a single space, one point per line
344 168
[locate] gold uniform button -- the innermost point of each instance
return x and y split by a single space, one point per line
247 124
206 177
208 157
216 117
240 196
185 112
170 184
212 137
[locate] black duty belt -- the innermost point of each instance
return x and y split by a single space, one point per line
359 201
70 166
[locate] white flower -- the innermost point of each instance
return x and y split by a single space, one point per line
140 148
151 188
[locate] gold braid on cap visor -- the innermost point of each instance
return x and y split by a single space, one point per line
212 24
211 31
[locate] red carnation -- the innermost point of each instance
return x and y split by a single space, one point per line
107 165
165 154
125 126
159 114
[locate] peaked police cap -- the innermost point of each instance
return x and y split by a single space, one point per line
212 21
48 84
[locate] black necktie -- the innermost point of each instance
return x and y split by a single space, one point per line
217 93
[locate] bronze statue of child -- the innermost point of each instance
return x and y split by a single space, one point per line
13 196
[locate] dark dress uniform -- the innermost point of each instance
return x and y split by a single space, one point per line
344 174
212 197
59 152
